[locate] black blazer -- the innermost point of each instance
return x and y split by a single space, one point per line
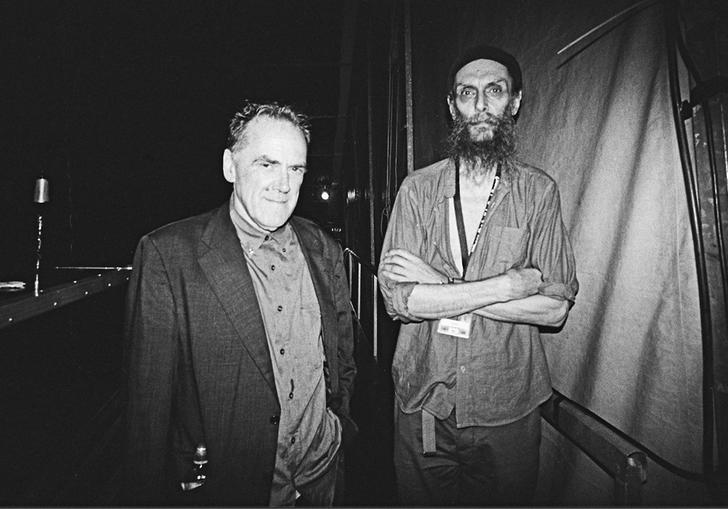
198 367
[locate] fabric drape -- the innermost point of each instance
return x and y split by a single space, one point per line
600 123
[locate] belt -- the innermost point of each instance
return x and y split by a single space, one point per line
428 434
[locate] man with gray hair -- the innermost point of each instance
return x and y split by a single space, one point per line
239 339
475 259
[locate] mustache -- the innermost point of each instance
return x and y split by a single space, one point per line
483 118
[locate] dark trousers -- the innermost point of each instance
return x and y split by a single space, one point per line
473 466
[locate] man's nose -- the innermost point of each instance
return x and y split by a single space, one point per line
481 102
282 182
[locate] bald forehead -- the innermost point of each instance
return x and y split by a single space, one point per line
483 69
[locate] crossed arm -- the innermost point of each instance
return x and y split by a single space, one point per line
510 297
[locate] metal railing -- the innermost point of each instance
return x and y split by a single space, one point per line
362 277
604 445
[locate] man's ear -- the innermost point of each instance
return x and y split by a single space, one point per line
228 166
451 106
516 103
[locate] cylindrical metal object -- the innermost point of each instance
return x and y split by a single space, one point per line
36 282
41 194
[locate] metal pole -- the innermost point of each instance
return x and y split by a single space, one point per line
717 214
350 268
408 87
358 291
375 346
41 196
629 479
370 148
39 239
673 33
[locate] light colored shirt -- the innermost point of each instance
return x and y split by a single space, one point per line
309 434
498 374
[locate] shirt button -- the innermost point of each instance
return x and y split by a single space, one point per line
283 351
280 308
293 440
272 267
267 237
284 249
290 395
275 419
462 369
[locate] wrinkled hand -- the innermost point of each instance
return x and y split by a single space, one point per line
401 266
522 283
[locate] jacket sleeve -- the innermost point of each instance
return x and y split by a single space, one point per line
150 350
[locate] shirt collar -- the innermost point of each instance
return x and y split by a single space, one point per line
250 237
447 189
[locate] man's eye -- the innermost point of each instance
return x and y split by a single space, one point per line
298 169
494 90
467 92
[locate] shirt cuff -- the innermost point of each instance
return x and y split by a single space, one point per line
400 298
557 291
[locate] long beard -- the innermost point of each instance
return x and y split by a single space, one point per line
481 155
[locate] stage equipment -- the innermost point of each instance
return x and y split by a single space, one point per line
41 196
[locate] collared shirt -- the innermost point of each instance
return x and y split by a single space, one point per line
309 434
498 374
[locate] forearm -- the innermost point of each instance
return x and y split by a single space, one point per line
433 301
534 310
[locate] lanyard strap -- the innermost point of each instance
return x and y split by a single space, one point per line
464 251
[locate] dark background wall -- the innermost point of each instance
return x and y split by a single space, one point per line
123 107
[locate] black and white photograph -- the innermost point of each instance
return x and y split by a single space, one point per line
364 253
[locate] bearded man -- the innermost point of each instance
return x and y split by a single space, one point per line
475 259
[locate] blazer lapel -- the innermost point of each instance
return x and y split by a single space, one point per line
221 259
317 267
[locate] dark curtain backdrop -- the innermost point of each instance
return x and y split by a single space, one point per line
600 124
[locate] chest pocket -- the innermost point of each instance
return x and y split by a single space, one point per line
507 247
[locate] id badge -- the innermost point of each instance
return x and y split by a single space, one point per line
458 327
